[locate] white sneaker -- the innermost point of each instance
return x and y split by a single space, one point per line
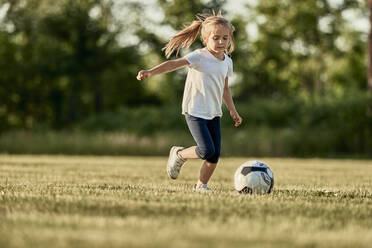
203 188
175 162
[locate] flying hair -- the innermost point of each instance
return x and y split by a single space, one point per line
187 36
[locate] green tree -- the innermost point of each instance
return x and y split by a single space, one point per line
63 63
301 46
369 74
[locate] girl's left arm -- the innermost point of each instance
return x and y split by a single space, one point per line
227 99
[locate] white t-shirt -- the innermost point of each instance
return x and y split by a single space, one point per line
205 83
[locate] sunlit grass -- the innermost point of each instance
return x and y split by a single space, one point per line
82 201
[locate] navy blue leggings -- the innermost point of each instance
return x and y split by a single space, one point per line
207 135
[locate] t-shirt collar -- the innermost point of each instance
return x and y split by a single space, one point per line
224 58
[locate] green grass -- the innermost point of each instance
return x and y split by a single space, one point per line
86 201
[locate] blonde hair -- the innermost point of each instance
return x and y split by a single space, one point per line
187 36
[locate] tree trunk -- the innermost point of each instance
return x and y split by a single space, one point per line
97 92
74 102
369 85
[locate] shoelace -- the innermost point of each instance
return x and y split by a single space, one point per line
179 163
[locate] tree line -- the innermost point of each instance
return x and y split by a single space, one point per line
63 61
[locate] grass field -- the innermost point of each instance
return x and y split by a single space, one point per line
82 201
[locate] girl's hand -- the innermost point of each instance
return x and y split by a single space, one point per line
143 74
236 117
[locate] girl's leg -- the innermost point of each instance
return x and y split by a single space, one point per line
205 149
188 152
206 172
207 135
199 130
210 164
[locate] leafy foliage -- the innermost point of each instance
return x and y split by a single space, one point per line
301 47
62 63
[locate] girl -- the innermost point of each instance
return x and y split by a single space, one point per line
205 89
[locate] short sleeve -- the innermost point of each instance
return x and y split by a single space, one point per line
194 58
230 69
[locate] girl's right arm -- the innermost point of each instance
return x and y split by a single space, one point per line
165 67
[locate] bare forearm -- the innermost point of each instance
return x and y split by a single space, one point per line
227 99
167 66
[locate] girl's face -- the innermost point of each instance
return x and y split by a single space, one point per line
217 40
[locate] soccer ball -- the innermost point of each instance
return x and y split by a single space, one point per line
254 177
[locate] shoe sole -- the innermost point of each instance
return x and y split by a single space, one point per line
168 166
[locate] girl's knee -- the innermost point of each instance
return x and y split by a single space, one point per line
206 152
214 159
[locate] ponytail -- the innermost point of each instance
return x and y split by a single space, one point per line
183 39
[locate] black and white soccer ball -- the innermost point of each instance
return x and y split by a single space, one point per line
254 177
